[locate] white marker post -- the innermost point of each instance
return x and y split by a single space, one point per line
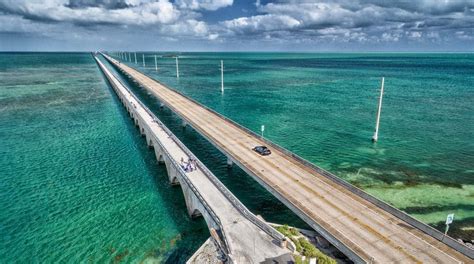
156 64
135 57
449 220
129 57
222 76
376 133
143 59
177 68
262 128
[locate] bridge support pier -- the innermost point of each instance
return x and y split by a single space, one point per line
229 162
159 156
172 171
149 142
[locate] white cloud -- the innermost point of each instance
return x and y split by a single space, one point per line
141 13
188 27
283 21
354 20
414 35
204 4
389 37
462 35
262 23
213 36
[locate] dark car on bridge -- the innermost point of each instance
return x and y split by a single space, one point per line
262 150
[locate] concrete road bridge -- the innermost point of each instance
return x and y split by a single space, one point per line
239 235
364 228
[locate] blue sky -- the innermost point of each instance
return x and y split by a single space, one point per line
233 25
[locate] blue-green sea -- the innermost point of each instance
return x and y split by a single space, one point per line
78 184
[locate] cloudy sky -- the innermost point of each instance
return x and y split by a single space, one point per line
224 25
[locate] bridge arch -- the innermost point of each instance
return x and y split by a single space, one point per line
172 171
196 213
195 208
158 153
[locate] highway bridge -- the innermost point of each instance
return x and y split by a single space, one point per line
239 235
364 228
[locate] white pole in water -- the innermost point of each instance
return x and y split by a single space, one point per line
177 68
156 64
262 128
135 57
143 59
222 76
376 133
129 57
449 220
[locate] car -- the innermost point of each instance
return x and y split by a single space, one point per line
262 150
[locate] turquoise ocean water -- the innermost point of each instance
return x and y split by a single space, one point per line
78 183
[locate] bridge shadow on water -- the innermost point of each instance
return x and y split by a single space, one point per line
192 233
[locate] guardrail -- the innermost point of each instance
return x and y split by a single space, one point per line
229 195
182 173
379 203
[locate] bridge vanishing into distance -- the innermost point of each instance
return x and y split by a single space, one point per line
239 236
364 228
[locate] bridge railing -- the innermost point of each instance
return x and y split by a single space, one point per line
182 173
228 194
379 203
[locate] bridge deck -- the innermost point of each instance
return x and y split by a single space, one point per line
358 227
248 242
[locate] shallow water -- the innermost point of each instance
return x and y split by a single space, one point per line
77 181
323 106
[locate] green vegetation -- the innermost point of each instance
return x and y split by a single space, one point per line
304 247
297 244
298 260
310 251
288 231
